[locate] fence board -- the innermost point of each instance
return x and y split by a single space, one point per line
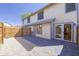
1 33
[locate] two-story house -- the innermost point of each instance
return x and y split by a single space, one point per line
54 21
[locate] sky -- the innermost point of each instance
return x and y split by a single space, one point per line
11 12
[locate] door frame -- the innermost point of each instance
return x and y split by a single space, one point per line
62 34
72 31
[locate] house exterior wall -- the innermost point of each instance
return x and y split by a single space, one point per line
78 13
25 21
56 11
77 7
33 18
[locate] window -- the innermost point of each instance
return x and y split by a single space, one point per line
28 20
70 7
39 29
40 15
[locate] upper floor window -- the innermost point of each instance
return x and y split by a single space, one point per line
70 7
40 15
28 20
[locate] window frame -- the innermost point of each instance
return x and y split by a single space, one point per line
39 29
40 15
69 7
28 20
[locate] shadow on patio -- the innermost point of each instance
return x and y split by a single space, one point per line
29 42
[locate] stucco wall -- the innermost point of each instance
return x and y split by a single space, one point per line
54 11
25 22
57 11
33 18
78 13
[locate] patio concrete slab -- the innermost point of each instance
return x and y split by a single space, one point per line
35 50
35 46
12 47
68 49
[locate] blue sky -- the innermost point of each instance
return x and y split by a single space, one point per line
11 12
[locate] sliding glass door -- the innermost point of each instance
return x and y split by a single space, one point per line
59 31
63 31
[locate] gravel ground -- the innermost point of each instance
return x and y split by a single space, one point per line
12 47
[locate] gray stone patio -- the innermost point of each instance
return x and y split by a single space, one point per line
35 46
53 45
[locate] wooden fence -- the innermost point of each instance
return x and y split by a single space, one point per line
12 32
26 31
16 31
7 32
1 33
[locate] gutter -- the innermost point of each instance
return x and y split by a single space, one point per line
42 21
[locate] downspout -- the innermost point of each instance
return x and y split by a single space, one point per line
77 12
52 28
77 23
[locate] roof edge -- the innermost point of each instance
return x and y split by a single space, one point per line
48 5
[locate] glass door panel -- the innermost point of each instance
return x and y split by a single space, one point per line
67 31
59 31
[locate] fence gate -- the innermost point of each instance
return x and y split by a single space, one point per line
1 33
